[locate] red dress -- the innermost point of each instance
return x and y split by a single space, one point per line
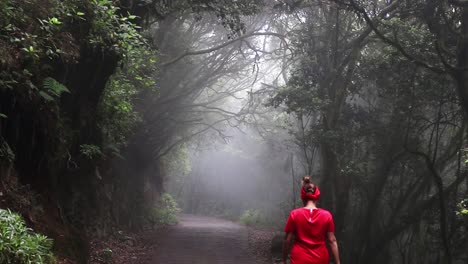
310 229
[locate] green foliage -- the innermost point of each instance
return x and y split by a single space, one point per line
297 98
33 34
258 218
413 37
18 244
251 218
91 151
165 212
229 13
118 115
177 161
463 208
52 89
110 29
17 32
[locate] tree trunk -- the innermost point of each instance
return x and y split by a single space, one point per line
461 73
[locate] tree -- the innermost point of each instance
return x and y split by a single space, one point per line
443 24
387 134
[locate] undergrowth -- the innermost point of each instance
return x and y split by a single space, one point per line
165 212
256 218
19 244
251 217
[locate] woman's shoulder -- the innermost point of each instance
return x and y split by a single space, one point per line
302 210
297 211
324 212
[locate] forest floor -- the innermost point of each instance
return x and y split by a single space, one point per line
204 240
124 248
265 245
195 240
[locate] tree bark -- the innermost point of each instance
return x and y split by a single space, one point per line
461 73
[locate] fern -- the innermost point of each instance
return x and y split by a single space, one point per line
52 89
46 96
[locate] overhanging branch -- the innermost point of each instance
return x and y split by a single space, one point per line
391 42
209 50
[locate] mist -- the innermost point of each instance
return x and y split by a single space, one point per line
127 123
227 178
298 95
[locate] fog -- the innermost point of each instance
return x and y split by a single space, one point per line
310 90
231 152
227 178
118 112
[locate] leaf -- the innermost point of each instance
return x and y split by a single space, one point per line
53 87
3 116
46 96
80 13
29 50
54 21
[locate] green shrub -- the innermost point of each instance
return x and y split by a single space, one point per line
251 217
91 151
118 116
18 244
258 218
165 212
111 28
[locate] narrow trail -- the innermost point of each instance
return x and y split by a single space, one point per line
204 240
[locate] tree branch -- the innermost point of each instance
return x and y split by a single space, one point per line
209 50
391 42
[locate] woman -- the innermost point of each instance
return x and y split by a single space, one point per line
310 227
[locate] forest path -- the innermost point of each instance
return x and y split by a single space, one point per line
203 240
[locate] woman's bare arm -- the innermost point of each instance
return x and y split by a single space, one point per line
287 245
333 246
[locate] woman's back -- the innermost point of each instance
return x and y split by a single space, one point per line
310 227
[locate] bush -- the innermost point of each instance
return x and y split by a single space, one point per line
251 218
118 116
165 213
91 151
258 218
18 244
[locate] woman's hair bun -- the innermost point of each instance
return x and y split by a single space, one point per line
306 179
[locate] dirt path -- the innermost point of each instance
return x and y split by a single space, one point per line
204 240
